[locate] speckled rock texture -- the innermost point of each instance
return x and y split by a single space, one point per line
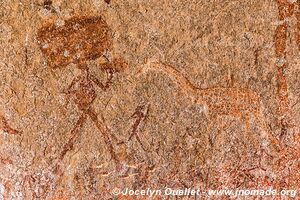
104 94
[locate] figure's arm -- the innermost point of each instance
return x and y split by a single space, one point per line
104 87
111 67
97 82
71 86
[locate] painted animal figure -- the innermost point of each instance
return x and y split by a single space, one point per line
241 103
81 39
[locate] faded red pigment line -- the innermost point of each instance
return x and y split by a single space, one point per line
298 26
285 10
7 191
4 126
289 154
6 161
141 113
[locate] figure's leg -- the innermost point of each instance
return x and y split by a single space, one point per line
6 128
70 90
74 135
135 133
141 113
105 133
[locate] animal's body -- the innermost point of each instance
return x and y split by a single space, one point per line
241 103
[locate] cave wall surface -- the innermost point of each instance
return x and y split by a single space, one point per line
104 94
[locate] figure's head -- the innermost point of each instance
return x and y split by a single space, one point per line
78 40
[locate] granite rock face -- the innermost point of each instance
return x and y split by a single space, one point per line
104 94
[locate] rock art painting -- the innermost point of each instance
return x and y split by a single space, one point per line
154 99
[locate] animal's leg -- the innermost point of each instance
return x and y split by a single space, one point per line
215 120
105 133
267 133
246 120
214 141
249 135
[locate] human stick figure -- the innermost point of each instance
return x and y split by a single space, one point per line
79 40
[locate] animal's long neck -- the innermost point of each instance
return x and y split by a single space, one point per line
176 76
